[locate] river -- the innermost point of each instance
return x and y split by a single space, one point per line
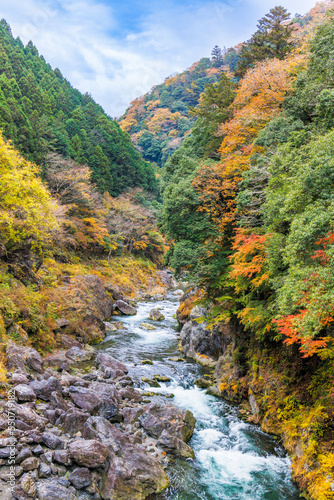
234 460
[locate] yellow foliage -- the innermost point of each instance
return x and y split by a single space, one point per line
26 207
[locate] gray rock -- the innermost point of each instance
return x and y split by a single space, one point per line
44 388
29 416
85 398
57 401
174 445
150 382
103 359
22 357
44 471
158 417
19 378
110 327
125 308
24 393
23 454
53 490
62 322
89 453
148 326
156 315
62 457
72 421
130 393
133 476
38 450
80 478
68 341
77 354
30 463
52 441
26 488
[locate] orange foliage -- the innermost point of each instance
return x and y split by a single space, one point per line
258 99
315 305
249 259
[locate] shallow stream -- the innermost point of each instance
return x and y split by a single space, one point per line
234 460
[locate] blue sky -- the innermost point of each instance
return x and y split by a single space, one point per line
118 50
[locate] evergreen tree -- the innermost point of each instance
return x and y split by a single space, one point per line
217 57
271 40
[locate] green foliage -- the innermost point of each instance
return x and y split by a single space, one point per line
271 40
212 111
152 121
41 113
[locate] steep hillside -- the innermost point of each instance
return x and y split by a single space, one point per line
41 113
158 121
253 229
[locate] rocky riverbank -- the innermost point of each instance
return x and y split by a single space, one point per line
81 429
272 385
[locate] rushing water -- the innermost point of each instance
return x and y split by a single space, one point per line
234 460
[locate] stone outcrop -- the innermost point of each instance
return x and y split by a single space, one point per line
88 434
156 315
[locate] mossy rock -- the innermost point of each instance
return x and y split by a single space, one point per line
202 383
161 378
150 382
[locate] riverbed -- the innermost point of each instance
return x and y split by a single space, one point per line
234 460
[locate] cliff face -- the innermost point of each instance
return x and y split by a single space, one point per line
285 394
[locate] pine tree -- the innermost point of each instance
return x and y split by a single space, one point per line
271 40
217 57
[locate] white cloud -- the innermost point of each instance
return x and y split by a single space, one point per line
82 38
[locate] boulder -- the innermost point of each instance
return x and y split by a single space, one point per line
103 359
80 478
52 441
156 315
114 291
25 488
62 457
44 471
23 454
29 417
24 393
203 383
72 421
57 401
19 377
150 382
158 417
161 378
30 463
110 327
91 292
53 490
68 341
148 326
88 453
97 400
174 445
85 398
44 388
125 308
134 475
77 354
62 323
21 357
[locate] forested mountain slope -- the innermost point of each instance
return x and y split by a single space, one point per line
41 113
253 227
158 121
